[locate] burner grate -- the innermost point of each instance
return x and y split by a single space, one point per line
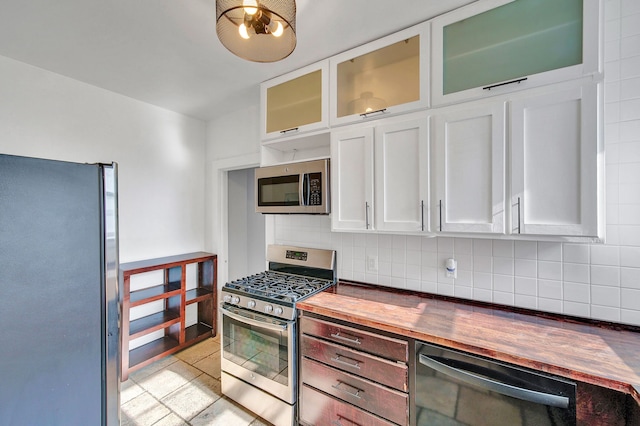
279 286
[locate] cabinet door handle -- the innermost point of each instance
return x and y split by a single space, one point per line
293 129
519 80
518 207
355 394
422 215
355 340
378 111
366 214
338 421
341 359
440 209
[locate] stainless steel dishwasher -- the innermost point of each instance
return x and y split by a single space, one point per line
456 388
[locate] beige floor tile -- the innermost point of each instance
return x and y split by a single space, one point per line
199 351
167 380
210 365
128 391
142 410
171 420
152 368
194 397
223 413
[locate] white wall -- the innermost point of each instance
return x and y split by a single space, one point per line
159 153
592 281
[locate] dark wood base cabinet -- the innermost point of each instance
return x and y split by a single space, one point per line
175 295
350 376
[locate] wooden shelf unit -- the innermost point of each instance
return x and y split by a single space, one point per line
174 296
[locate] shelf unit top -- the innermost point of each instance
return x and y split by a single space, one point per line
165 262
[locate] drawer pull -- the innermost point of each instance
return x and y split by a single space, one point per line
338 421
341 359
355 394
352 339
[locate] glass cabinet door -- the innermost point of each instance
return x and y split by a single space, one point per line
512 46
295 102
385 76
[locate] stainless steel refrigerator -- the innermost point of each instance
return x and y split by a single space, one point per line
59 331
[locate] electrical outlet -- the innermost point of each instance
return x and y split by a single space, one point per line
372 263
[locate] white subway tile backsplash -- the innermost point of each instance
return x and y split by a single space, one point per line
549 251
482 263
550 305
414 243
526 286
445 244
528 302
550 270
526 250
576 292
550 289
576 272
605 296
605 275
462 246
482 280
482 295
526 268
507 299
413 257
463 292
629 7
429 286
503 265
630 298
612 10
430 244
605 313
482 247
630 278
605 255
630 131
502 248
576 253
630 23
428 273
503 283
576 309
630 316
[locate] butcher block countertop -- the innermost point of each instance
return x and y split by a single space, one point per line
602 355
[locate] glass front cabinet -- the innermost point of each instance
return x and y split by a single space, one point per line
494 47
296 102
384 77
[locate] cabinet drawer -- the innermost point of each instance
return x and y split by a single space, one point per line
370 396
319 409
387 347
379 370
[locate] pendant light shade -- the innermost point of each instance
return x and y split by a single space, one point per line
257 30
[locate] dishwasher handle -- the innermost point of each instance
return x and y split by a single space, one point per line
494 385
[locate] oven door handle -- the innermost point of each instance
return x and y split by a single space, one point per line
257 323
494 385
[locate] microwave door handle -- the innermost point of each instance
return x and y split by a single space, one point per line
494 385
304 189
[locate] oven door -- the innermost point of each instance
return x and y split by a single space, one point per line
260 350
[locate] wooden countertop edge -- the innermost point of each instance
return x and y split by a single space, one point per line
632 389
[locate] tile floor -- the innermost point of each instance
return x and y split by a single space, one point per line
182 389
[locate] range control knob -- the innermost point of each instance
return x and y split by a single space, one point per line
277 310
227 298
268 309
251 304
235 300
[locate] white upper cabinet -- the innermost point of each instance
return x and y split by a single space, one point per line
295 103
469 168
380 176
384 77
557 163
352 179
496 46
402 175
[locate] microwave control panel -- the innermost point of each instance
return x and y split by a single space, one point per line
315 189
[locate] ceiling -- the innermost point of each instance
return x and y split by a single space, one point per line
166 52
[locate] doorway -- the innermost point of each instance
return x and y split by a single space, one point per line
246 228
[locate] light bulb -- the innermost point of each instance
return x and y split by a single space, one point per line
250 6
279 29
242 29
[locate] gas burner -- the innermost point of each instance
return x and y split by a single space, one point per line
280 286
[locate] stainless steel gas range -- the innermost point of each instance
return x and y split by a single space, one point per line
259 330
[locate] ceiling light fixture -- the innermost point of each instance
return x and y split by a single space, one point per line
257 30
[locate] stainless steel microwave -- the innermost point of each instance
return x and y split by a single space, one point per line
294 188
